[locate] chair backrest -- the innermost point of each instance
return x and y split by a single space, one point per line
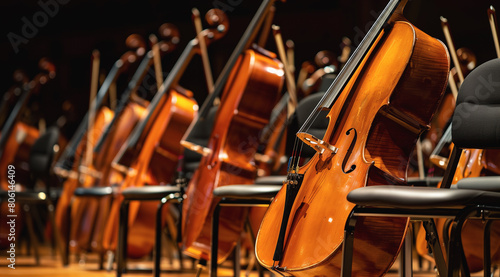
476 120
199 135
42 153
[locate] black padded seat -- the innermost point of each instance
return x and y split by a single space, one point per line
250 195
487 183
149 192
421 197
145 193
94 191
270 180
249 192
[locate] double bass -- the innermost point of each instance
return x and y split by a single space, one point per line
379 104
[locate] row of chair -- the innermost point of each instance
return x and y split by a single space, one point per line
476 124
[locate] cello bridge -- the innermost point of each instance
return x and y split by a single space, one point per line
321 146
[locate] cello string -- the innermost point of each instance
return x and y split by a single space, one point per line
345 74
354 61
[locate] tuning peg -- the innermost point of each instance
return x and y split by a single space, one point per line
467 58
46 65
325 58
136 42
218 19
170 35
20 76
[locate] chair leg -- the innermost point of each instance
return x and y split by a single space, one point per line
57 234
179 235
158 233
348 245
487 249
446 230
406 267
31 231
215 242
101 260
456 256
433 242
237 259
121 250
68 234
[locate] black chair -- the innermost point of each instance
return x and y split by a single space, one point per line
163 194
265 188
476 124
40 164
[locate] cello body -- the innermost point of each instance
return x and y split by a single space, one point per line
256 78
103 117
374 124
16 153
16 140
87 220
154 163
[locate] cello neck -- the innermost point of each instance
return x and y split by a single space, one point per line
244 43
14 115
392 11
170 82
64 162
133 85
27 89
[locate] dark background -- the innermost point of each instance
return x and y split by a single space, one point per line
80 26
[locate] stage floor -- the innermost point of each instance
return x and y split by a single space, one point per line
50 266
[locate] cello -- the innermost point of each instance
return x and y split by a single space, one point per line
151 152
68 166
12 94
16 139
130 109
249 77
379 104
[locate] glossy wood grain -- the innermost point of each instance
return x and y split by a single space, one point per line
249 96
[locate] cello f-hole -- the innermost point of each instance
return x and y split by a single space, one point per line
349 152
